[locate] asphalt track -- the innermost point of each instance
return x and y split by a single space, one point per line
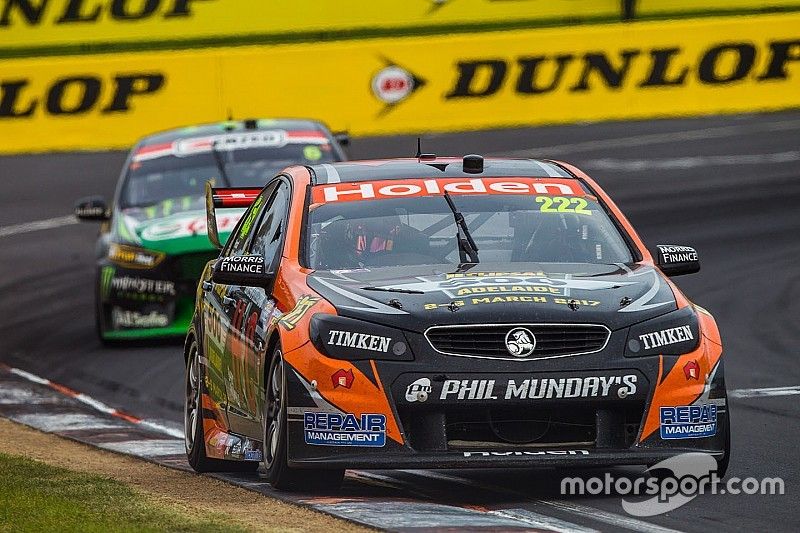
730 186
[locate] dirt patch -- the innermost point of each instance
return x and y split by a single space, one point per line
183 490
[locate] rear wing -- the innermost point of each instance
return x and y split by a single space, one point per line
225 197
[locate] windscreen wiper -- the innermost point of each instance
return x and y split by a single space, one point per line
220 165
392 289
467 249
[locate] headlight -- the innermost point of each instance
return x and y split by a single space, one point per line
675 333
347 338
133 257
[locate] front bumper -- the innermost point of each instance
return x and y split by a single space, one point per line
575 458
479 425
148 303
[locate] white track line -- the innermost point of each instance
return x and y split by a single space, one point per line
606 517
30 377
524 516
37 225
147 448
769 391
407 515
653 138
682 163
53 423
541 521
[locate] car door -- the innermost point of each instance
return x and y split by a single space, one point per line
250 322
219 309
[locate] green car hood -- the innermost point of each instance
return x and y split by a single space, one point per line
178 233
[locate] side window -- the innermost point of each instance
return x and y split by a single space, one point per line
237 242
271 227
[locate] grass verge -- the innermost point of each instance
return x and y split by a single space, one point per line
114 492
39 497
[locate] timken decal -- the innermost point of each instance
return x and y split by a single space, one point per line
361 341
436 187
665 337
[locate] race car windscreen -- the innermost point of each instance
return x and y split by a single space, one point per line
353 230
180 170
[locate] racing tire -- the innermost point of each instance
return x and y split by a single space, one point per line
99 314
278 472
722 463
193 422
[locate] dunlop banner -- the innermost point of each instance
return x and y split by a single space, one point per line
29 23
381 86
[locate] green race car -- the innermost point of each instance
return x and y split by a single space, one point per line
153 242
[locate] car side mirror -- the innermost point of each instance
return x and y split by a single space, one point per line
245 270
676 260
92 208
342 137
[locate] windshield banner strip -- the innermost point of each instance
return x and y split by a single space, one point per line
373 190
229 142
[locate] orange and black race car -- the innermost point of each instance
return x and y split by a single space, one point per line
442 313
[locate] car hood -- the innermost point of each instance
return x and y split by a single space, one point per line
614 295
178 233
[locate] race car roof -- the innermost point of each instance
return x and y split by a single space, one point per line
233 126
440 167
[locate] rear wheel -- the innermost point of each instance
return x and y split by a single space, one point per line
193 422
279 474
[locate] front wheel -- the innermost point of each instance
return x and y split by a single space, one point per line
99 311
278 472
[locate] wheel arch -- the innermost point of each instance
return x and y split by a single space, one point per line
273 340
190 336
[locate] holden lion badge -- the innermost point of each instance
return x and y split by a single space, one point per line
520 342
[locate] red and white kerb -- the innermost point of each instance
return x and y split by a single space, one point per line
411 188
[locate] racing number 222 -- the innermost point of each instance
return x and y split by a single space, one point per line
562 204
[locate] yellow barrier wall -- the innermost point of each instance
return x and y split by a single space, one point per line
56 22
657 7
413 84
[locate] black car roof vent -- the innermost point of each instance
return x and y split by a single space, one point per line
473 164
250 124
